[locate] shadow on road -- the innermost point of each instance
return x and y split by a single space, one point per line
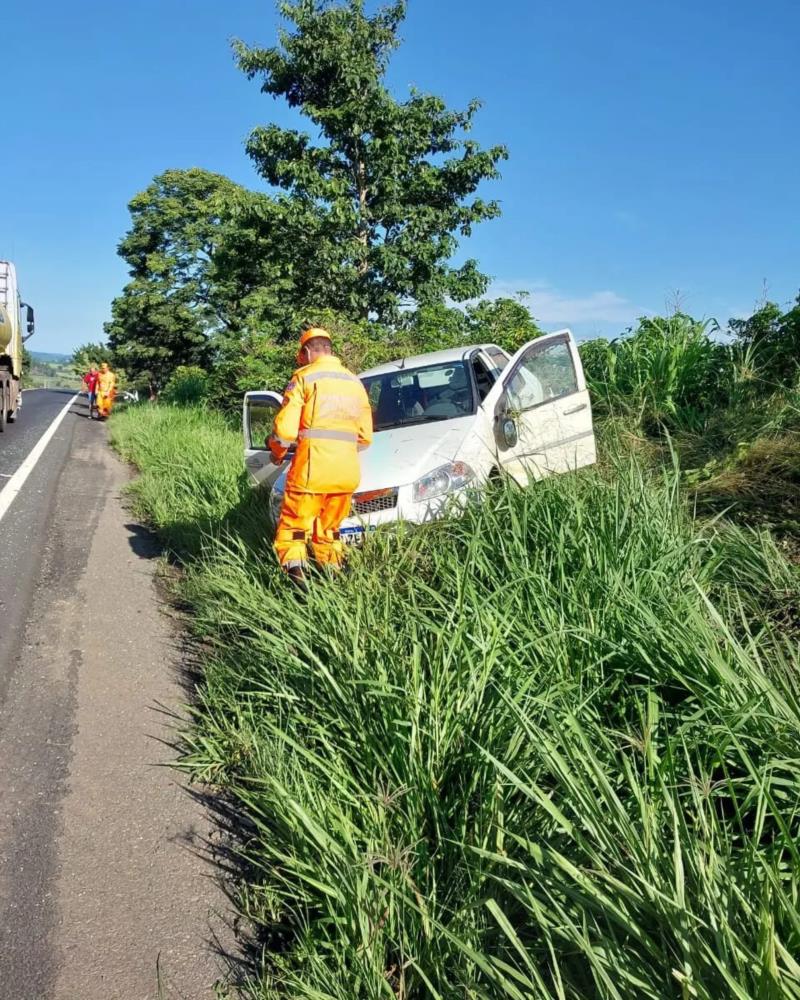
238 945
143 542
80 409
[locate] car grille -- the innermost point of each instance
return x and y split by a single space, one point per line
374 501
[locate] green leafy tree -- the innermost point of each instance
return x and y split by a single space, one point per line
222 250
89 354
254 362
164 317
151 334
256 262
433 327
377 202
504 321
772 337
187 386
210 264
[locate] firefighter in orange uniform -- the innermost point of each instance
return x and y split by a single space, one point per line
327 412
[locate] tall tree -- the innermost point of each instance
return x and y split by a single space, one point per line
378 201
151 334
206 268
89 354
164 316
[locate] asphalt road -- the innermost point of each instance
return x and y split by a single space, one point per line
23 528
102 872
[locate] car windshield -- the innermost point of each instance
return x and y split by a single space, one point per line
420 395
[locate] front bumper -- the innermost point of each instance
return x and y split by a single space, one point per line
403 509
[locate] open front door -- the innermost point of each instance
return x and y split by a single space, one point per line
260 410
542 415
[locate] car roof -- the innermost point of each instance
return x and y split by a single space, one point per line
449 356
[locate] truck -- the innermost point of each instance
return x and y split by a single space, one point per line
16 325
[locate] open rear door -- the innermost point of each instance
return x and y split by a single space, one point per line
260 410
542 415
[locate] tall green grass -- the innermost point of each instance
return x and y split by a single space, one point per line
191 482
670 372
548 749
733 421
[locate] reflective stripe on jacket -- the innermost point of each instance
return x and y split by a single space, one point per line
327 412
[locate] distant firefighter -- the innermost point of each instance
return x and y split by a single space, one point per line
106 390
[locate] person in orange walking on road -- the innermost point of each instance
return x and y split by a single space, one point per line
327 412
106 390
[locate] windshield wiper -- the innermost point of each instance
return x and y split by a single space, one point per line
414 421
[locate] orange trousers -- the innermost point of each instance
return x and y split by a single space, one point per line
313 517
104 403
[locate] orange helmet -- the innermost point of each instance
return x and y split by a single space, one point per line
311 334
315 331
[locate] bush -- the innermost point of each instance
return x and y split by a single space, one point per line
188 385
773 339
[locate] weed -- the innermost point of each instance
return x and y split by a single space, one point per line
547 749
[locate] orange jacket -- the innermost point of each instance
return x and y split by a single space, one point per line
107 383
327 412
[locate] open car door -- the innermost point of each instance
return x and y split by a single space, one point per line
260 410
540 410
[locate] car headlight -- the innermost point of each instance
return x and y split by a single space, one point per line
445 479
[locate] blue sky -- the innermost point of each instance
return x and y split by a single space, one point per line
654 146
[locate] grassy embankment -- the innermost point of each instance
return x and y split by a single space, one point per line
548 750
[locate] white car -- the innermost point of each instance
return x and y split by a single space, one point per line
448 421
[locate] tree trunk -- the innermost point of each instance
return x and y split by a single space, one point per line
363 227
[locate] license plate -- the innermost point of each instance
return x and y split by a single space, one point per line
354 535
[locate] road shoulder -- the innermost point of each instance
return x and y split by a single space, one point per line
134 890
105 844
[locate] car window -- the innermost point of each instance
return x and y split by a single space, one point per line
498 357
543 373
418 395
485 377
261 418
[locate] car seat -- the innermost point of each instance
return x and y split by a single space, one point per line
410 396
388 410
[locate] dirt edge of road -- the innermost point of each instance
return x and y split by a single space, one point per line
106 850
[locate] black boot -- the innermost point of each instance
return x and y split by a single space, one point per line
298 578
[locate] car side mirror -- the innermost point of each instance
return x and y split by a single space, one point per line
508 431
505 426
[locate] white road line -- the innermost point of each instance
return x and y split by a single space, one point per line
17 481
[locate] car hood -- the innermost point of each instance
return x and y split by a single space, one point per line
401 455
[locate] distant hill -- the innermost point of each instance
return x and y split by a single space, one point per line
49 357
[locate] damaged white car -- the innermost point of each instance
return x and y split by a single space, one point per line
448 421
